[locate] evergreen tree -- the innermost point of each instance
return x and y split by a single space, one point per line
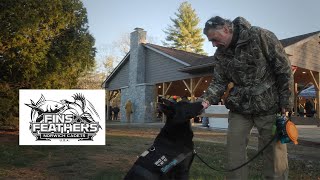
43 44
184 34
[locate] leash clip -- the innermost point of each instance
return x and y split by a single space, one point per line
152 148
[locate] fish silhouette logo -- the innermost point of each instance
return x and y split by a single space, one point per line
73 118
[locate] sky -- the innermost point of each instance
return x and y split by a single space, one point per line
111 19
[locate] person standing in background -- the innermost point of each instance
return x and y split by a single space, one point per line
129 110
115 113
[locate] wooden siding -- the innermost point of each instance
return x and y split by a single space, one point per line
163 69
306 55
121 78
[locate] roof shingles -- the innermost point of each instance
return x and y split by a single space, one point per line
295 39
187 57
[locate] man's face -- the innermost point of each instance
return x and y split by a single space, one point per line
220 38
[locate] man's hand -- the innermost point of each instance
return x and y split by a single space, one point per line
205 104
283 111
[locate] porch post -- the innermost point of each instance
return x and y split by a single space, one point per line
295 94
108 105
192 87
317 107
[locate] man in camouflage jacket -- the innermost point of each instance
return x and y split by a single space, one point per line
253 59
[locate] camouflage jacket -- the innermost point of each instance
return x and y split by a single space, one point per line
259 68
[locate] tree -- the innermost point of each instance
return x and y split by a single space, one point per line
108 64
91 80
110 55
184 34
123 44
43 44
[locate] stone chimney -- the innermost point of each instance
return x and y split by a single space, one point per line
137 37
137 57
141 94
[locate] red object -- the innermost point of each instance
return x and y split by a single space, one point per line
174 97
294 68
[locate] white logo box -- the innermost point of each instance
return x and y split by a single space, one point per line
61 117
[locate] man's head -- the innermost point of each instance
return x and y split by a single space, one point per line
219 31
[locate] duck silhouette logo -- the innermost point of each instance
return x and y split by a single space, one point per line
75 119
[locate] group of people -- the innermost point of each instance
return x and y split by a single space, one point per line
308 109
113 113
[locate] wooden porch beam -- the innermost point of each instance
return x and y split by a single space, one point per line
295 97
185 83
198 83
114 94
317 99
315 82
167 88
164 91
192 90
108 104
294 71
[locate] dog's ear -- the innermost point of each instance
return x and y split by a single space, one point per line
163 108
167 102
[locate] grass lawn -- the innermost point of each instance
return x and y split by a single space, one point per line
124 144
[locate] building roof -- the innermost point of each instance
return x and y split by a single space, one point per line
205 64
196 63
187 57
289 41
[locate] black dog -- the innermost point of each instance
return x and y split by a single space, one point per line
171 154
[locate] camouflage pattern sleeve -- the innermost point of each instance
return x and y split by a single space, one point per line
217 87
281 66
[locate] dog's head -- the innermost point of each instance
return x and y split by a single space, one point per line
180 111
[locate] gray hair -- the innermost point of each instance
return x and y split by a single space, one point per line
217 22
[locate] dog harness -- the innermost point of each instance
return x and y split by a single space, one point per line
160 159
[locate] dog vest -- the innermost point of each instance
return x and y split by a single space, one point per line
160 159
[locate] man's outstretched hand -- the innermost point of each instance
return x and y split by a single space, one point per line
205 104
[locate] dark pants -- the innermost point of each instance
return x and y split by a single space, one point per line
115 116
